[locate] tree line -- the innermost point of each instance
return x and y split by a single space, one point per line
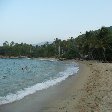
93 45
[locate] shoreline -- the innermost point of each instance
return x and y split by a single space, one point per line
77 83
71 69
93 94
87 91
40 97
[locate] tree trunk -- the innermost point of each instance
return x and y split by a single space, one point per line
104 54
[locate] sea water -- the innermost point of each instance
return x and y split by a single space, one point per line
21 77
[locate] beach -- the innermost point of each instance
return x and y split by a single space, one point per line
92 91
89 90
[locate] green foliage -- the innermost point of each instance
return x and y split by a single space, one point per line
96 45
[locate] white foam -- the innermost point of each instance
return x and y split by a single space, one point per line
47 59
39 86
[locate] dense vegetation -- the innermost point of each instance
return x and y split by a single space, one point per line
94 45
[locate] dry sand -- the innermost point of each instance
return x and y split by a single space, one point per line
89 91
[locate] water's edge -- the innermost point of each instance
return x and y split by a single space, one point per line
39 86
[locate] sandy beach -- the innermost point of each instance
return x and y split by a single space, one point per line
88 91
92 91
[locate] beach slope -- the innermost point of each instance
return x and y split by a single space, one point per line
91 92
88 91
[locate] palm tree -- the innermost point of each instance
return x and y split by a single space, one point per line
102 40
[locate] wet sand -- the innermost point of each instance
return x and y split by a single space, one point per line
88 91
92 93
41 100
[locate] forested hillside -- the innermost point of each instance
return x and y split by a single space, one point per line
94 45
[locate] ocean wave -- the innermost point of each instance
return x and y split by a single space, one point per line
39 86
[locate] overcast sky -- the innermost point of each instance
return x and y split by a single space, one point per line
35 21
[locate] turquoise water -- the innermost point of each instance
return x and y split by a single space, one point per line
21 77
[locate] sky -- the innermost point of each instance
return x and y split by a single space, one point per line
35 21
